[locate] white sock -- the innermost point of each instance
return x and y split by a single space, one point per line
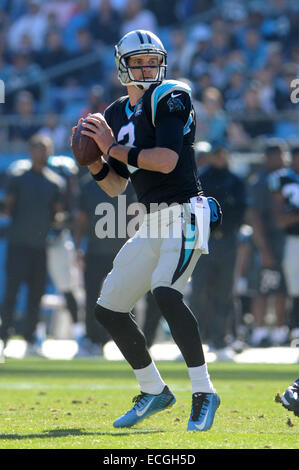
149 379
200 379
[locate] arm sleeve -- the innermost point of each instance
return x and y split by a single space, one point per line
170 133
171 119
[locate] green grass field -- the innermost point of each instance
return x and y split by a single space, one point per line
48 404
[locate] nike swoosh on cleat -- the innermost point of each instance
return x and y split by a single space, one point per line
174 96
141 412
202 425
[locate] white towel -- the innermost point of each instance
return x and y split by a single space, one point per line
201 209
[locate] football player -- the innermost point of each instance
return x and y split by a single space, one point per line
284 184
290 398
147 136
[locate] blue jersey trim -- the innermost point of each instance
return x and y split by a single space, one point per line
163 89
190 238
129 113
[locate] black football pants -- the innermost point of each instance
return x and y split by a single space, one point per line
24 264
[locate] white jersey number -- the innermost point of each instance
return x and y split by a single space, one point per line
126 136
291 192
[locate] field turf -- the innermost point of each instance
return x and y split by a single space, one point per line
47 404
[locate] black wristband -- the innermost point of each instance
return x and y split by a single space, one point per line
109 148
133 156
102 173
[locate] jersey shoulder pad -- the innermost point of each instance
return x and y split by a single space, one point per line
175 90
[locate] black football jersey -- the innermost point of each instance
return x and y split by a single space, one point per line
287 182
136 127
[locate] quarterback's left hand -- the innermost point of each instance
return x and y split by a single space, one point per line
96 127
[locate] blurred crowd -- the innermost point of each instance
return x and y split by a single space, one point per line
240 57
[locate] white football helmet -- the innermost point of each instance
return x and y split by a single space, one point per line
139 42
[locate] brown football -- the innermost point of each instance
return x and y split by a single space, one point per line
85 149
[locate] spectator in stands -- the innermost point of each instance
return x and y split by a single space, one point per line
255 50
4 20
137 17
218 70
54 53
212 119
179 54
275 58
93 72
15 8
200 37
32 24
63 10
201 83
219 44
254 121
166 12
235 89
104 25
269 241
264 78
57 131
82 13
70 98
33 198
25 125
96 101
25 73
236 60
276 25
